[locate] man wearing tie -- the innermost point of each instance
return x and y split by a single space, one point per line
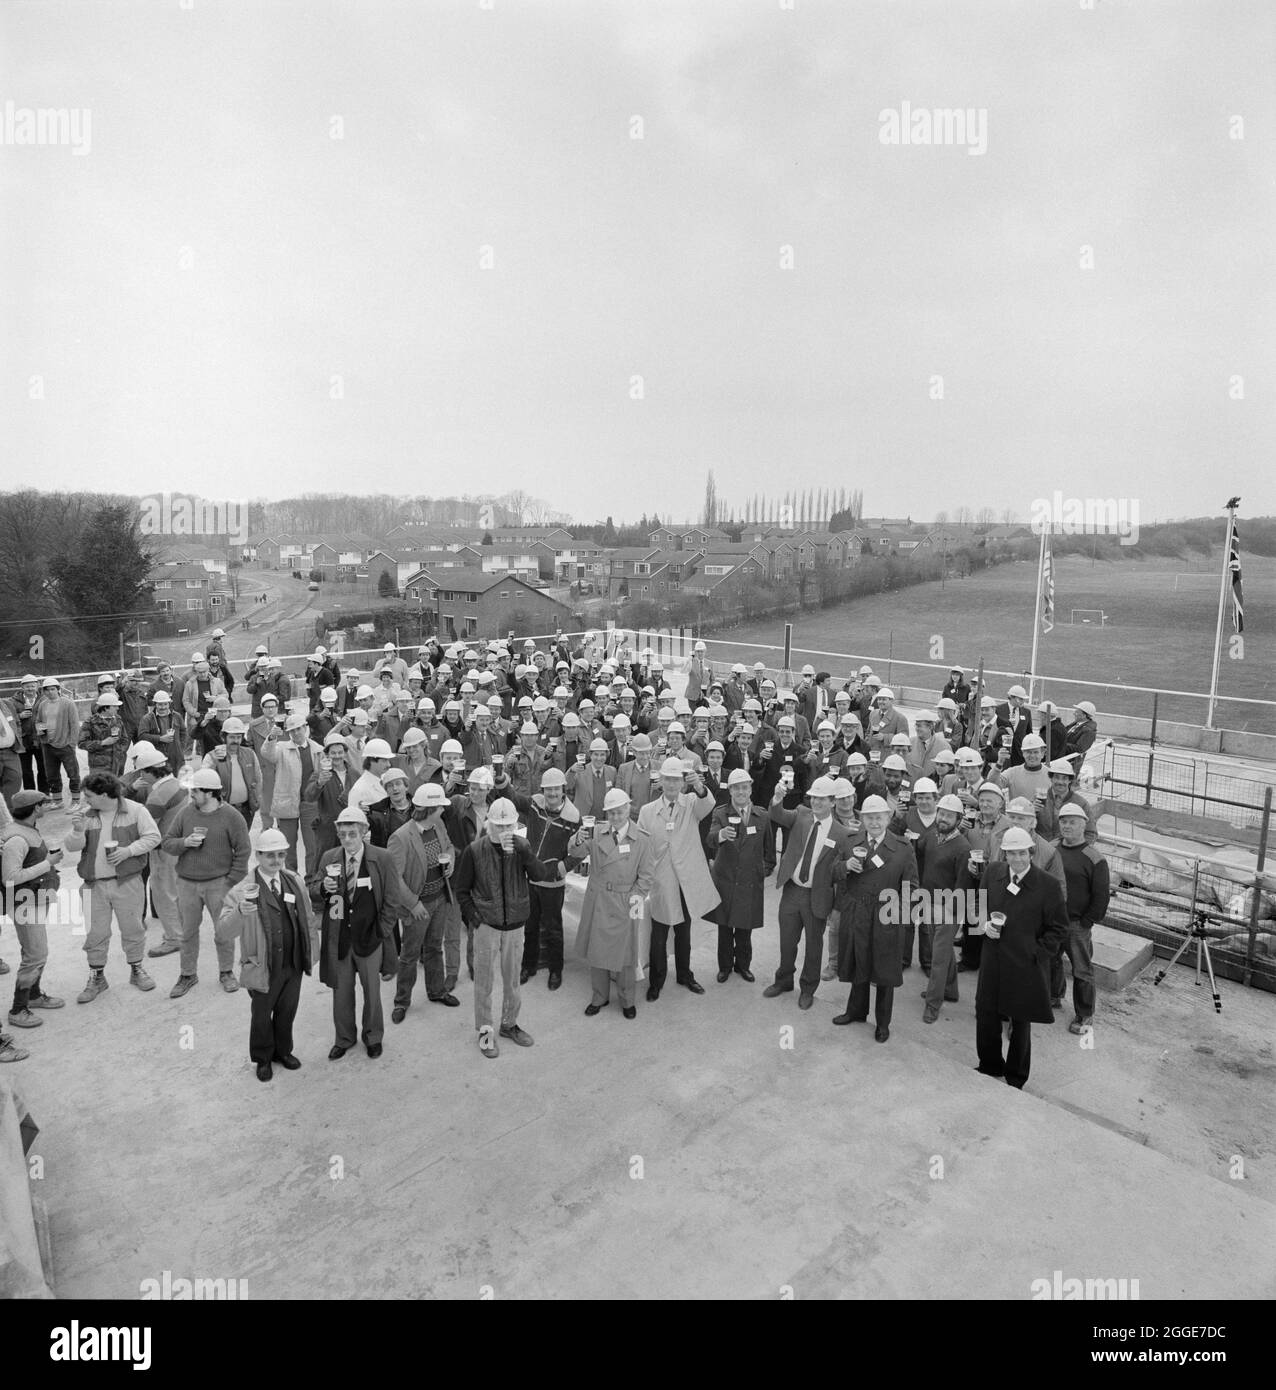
681 885
1027 919
270 914
588 783
814 846
363 897
742 843
879 874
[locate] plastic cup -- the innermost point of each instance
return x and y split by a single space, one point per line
497 760
860 852
733 820
587 823
875 755
200 834
110 846
996 920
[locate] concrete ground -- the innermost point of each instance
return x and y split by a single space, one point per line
702 1149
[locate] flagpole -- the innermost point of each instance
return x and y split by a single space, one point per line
1036 622
1222 605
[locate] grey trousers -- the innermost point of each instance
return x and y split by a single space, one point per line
603 981
368 968
495 950
942 983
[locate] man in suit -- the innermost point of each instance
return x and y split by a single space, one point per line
270 914
814 847
1027 918
362 897
638 778
589 782
424 857
611 936
682 887
880 872
943 865
741 841
1014 718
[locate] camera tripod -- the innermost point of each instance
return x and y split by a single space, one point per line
1199 932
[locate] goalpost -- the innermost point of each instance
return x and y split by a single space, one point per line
1096 616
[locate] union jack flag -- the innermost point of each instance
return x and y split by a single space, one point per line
1238 599
1047 591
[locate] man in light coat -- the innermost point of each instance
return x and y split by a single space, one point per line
295 758
614 922
682 887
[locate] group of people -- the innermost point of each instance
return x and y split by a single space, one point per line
403 812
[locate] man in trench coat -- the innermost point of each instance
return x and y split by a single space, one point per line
870 907
741 840
682 888
615 925
1015 960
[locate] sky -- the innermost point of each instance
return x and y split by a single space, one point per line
417 248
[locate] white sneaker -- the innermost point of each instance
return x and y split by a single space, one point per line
488 1045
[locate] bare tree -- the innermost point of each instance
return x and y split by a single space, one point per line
710 501
985 516
941 518
1009 516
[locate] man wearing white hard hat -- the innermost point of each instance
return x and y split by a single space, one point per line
699 674
551 820
57 725
210 840
236 764
1079 736
614 930
1029 777
1088 891
161 727
884 721
741 843
294 755
589 781
814 845
269 913
22 711
878 874
424 857
682 888
1015 718
943 866
153 783
927 742
492 883
103 735
362 897
1026 918
1063 792
1022 813
199 695
367 790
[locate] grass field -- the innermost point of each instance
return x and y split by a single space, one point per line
1154 637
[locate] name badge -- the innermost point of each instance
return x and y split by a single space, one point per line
1013 888
290 897
751 830
671 825
363 883
877 862
622 849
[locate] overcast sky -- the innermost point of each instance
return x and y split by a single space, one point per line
188 287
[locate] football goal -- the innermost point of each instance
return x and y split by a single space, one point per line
1096 616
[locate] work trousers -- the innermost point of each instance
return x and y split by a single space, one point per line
603 982
495 950
1079 946
192 898
55 760
124 900
544 930
164 895
423 942
939 961
34 776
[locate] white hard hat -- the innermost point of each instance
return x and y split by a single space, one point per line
296 720
451 745
739 668
272 842
671 767
393 774
503 812
885 693
991 787
951 803
352 815
615 798
1014 838
162 697
328 695
1021 806
739 777
826 724
786 721
148 755
1062 765
700 646
110 698
1018 692
857 760
553 777
377 748
1085 707
873 803
207 780
1070 809
599 745
894 763
218 632
924 784
334 740
234 725
842 787
945 755
966 754
926 716
1033 741
823 786
389 647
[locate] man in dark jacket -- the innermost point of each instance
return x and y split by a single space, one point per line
943 855
362 897
492 887
551 822
424 857
1027 919
877 875
741 842
1088 881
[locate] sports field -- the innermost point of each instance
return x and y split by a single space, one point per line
1156 635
